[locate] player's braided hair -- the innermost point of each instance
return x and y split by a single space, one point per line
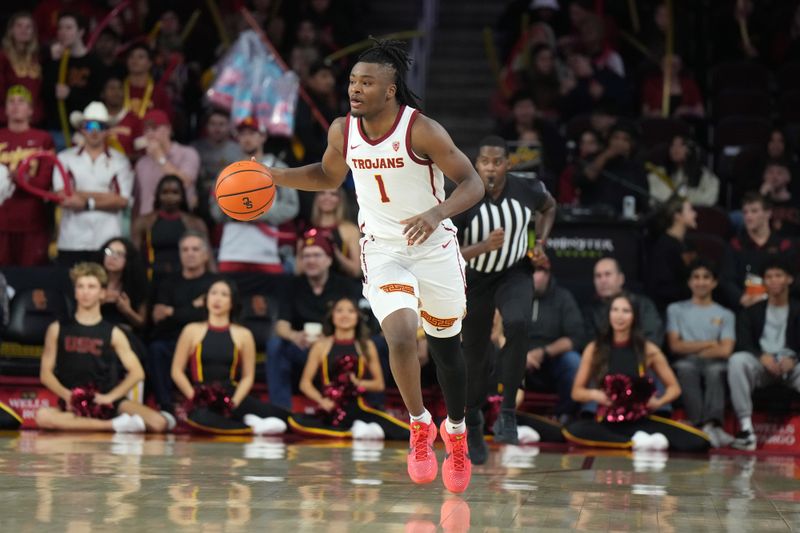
392 54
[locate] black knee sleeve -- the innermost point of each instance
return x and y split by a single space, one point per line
451 372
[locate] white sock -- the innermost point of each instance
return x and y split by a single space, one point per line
641 440
121 422
251 420
171 422
271 426
455 428
360 430
658 441
746 424
126 423
527 435
425 417
377 431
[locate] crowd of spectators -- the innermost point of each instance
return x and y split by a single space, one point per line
580 101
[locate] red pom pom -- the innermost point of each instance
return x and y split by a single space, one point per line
211 396
82 404
628 397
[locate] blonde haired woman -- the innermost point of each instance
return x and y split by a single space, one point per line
19 62
329 219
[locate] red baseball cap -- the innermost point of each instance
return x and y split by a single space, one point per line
313 238
156 117
252 123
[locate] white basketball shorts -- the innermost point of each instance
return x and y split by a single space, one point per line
427 278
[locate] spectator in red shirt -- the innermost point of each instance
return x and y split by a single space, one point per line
127 126
684 94
24 218
19 62
142 93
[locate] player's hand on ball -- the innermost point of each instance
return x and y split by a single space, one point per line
418 228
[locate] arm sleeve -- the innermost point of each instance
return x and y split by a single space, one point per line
728 326
672 319
707 191
58 180
125 180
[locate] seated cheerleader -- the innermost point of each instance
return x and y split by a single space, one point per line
613 373
342 356
80 363
222 361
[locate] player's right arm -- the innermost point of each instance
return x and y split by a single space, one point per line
48 364
328 174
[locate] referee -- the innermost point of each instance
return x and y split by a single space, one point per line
494 242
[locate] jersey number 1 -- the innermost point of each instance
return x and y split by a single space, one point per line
382 188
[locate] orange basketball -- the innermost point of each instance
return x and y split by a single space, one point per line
245 190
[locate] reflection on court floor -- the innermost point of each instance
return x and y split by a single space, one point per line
99 482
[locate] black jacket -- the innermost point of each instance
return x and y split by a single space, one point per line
750 326
743 256
555 314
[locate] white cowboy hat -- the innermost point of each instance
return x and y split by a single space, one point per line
94 111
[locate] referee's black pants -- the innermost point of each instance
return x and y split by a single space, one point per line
511 292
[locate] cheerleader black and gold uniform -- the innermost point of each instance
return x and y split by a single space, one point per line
342 357
622 359
215 361
9 419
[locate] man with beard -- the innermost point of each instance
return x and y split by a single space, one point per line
495 245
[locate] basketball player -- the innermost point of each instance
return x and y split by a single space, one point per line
410 256
86 351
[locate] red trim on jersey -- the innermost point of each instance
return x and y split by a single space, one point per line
218 329
411 153
433 183
364 261
346 135
458 256
385 135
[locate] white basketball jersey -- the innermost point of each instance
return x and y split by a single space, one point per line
392 182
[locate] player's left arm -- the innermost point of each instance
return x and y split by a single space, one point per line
135 373
431 140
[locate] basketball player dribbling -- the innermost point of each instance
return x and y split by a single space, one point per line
410 258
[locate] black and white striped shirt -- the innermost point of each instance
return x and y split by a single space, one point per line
513 211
